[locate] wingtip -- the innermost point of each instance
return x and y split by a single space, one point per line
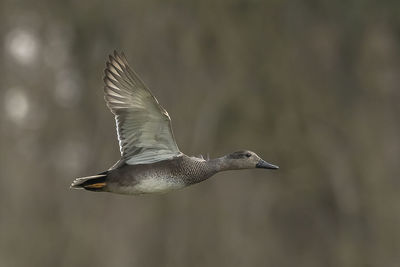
116 55
123 58
119 58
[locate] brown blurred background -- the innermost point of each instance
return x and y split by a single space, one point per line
312 87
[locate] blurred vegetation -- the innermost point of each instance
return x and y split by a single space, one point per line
310 86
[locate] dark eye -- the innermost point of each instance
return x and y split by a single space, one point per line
248 155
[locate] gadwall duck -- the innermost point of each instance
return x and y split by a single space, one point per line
150 159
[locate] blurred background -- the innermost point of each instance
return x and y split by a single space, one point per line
310 86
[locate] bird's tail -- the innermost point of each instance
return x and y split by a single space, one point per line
91 183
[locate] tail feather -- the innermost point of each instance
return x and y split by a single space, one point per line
91 183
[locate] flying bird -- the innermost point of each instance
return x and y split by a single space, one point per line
151 161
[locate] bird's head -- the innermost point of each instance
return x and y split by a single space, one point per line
245 159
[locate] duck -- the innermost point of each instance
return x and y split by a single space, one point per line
151 161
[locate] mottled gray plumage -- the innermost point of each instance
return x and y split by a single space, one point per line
179 172
150 159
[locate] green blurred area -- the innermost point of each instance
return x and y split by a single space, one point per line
310 86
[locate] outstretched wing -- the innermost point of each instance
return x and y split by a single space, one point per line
143 126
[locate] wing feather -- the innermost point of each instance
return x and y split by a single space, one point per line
143 126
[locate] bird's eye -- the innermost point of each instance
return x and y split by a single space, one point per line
248 155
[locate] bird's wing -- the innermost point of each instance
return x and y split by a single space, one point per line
143 125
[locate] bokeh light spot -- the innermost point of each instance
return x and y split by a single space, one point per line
67 92
22 45
16 105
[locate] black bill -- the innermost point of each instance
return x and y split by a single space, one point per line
266 165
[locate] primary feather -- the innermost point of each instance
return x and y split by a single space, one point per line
143 125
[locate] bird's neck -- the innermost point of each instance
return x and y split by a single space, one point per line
218 164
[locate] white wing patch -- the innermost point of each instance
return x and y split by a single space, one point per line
151 157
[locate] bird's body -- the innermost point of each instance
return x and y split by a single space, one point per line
150 159
161 176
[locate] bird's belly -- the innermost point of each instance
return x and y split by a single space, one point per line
158 185
151 185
